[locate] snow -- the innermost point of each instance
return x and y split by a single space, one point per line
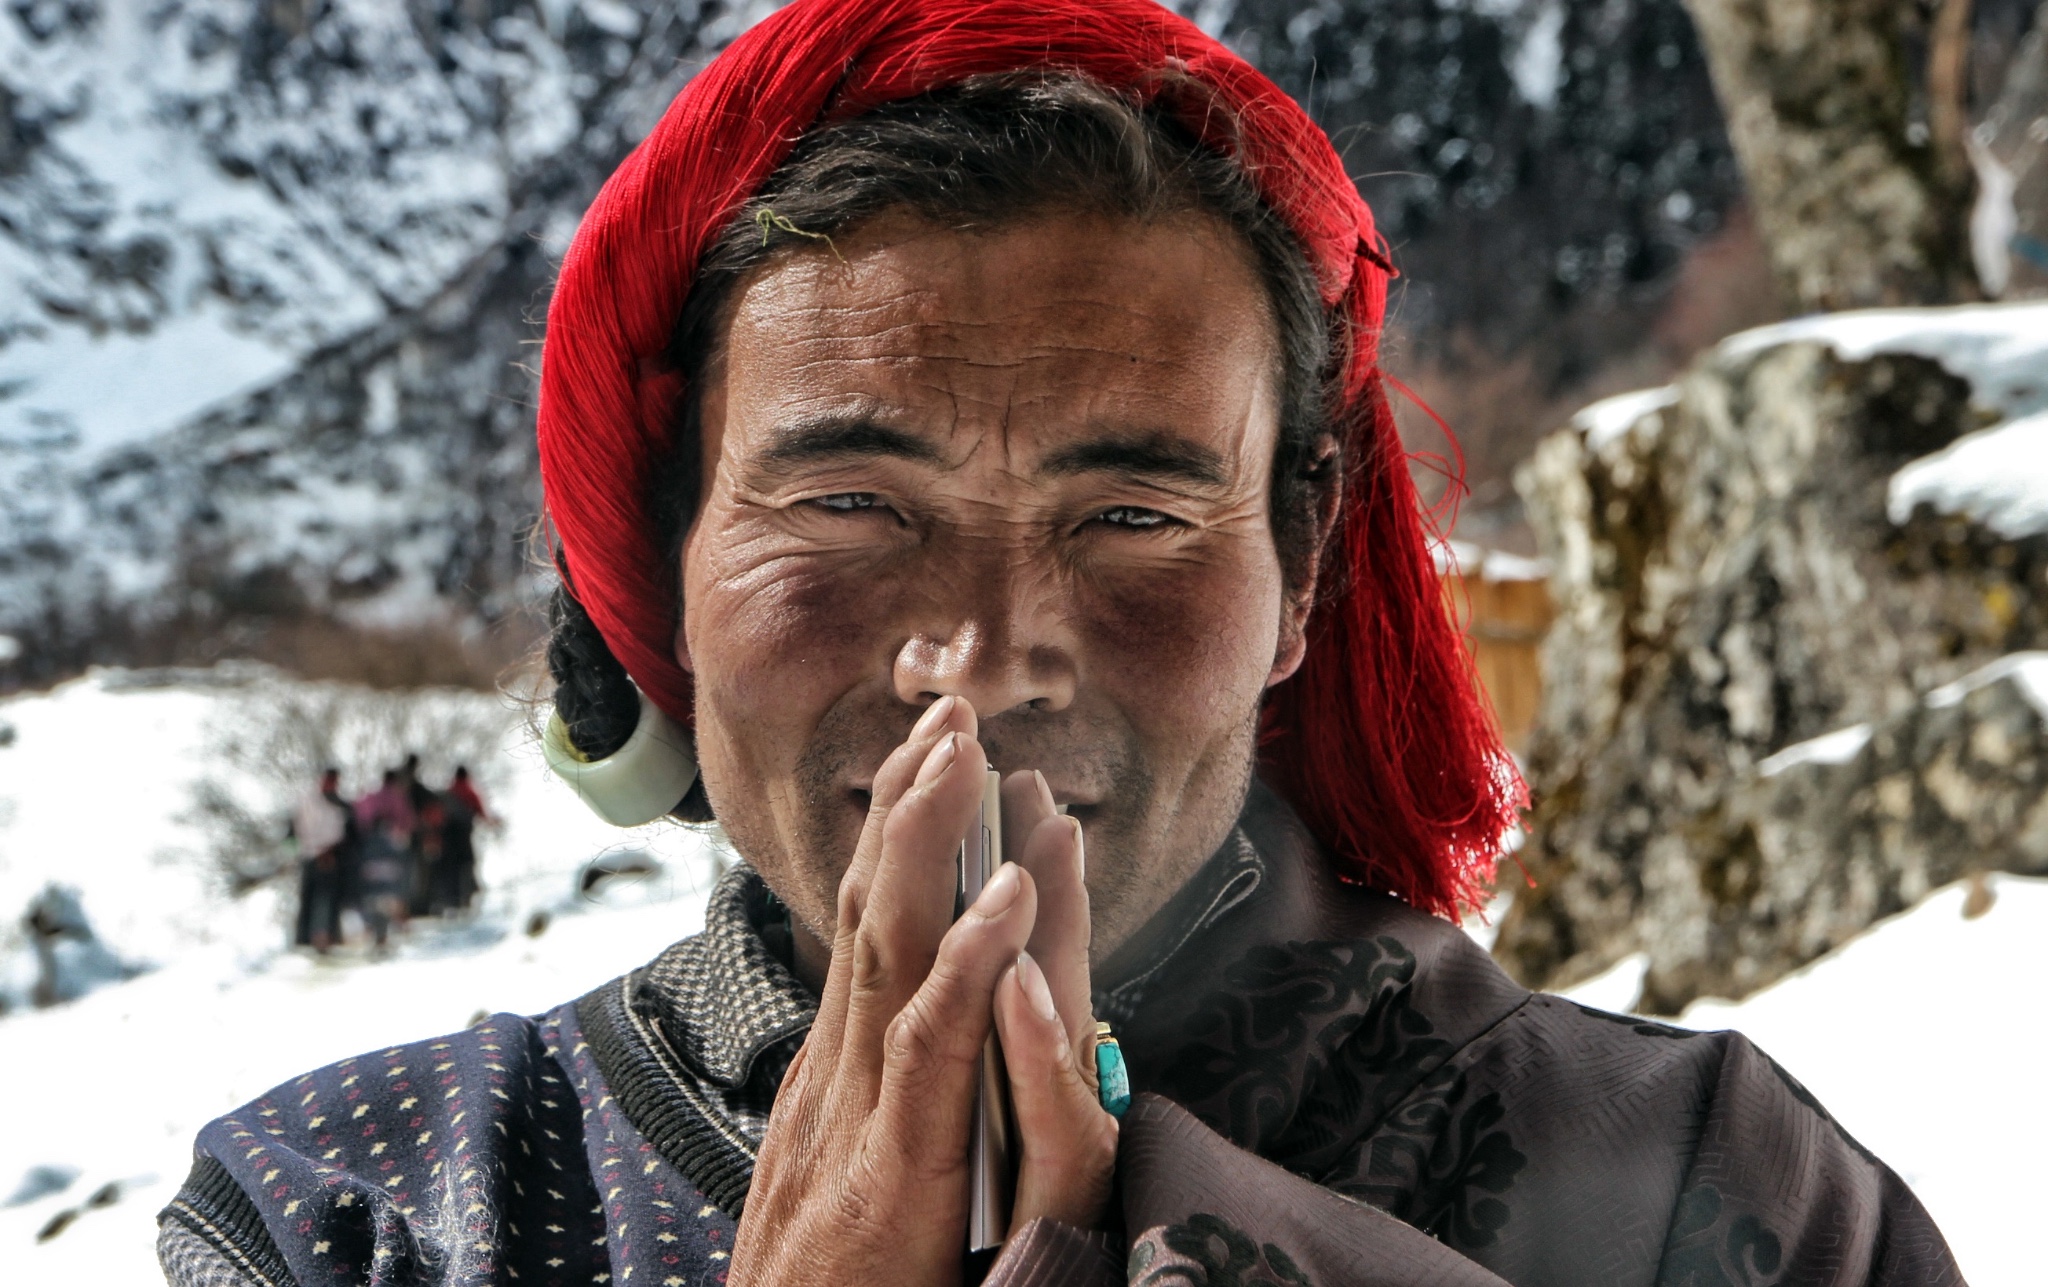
1998 476
1838 747
1610 418
1534 31
2001 349
236 279
91 742
110 390
611 16
1617 988
143 741
2029 670
212 1032
1923 1038
1993 219
109 1090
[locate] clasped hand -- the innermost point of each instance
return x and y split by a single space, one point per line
863 1175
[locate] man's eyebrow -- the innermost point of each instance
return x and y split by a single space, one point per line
1155 455
832 438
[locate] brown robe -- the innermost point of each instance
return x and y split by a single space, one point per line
1348 1091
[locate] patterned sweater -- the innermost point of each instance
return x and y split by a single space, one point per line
1341 1090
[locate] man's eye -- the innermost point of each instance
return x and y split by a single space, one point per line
1132 516
846 502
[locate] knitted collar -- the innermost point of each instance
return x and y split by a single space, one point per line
725 995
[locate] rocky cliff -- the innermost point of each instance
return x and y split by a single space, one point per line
1786 692
271 271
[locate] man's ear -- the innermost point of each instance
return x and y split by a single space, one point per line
1322 477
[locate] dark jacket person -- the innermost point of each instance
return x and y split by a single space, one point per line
955 383
324 828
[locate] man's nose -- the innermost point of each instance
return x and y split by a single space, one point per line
1006 649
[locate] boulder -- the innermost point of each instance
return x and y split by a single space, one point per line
1767 717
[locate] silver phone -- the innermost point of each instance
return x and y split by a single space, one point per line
991 1159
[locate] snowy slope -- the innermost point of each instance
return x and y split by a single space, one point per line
110 1089
1922 1037
97 791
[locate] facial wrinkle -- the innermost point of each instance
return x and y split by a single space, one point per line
978 569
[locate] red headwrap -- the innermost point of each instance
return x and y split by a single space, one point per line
1381 742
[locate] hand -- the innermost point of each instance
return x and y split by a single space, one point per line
863 1174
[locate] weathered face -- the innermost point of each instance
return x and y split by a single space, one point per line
1028 467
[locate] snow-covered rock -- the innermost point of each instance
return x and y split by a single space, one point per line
1764 577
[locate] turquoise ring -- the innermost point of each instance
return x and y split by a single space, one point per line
1112 1079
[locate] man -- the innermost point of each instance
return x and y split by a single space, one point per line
948 384
424 844
462 808
322 824
385 825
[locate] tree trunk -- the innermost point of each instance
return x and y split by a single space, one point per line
1860 203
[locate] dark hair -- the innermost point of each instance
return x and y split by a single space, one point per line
984 154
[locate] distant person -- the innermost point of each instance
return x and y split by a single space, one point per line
425 841
429 877
323 825
385 817
462 809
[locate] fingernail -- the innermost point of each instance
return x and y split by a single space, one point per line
934 715
1080 848
936 759
1045 792
999 893
1032 980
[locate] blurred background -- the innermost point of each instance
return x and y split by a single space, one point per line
1739 312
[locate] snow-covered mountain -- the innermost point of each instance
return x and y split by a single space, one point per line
268 277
